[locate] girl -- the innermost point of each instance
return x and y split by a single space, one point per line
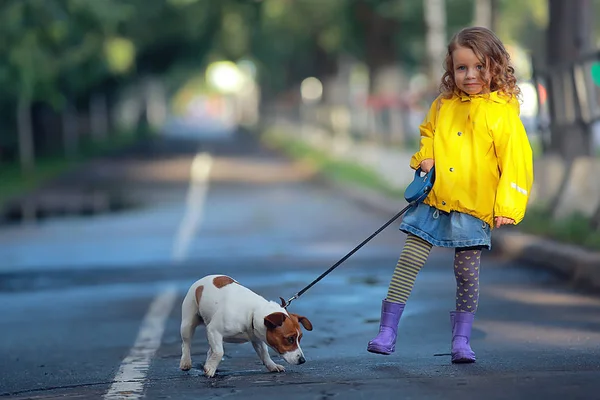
483 166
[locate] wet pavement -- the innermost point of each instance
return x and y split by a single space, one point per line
75 292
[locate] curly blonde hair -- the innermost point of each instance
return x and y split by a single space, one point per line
492 54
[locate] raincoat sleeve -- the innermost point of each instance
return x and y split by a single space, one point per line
427 129
515 161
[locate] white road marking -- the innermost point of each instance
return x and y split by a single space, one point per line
199 182
129 380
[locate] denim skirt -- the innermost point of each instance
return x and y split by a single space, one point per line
442 229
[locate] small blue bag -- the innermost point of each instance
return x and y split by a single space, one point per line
420 187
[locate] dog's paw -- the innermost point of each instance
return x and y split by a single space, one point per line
185 364
276 368
209 371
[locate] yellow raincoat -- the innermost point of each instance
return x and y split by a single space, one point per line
483 159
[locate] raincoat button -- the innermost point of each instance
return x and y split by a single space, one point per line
451 169
459 133
443 203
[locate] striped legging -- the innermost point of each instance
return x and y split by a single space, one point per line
413 257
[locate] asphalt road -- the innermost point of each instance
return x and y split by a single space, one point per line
90 306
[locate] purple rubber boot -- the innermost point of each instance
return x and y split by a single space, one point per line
461 335
385 341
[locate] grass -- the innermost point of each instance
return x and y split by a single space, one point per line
327 165
575 229
14 182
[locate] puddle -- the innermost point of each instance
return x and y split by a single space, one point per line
61 205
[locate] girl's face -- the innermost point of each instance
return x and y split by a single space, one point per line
470 75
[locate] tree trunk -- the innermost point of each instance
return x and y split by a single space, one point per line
485 13
156 103
568 38
24 124
379 40
70 131
98 117
435 22
325 68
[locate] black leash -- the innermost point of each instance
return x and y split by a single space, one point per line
300 293
414 193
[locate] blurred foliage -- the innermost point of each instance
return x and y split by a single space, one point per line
55 52
55 48
51 48
573 229
59 52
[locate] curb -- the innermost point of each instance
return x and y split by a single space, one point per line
579 267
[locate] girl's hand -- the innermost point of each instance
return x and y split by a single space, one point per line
504 221
427 164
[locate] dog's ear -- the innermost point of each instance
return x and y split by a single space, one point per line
274 320
304 321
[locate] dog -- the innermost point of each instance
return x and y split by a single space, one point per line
233 313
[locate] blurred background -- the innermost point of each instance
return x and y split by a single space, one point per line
79 77
145 143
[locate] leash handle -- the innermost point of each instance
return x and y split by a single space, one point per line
334 266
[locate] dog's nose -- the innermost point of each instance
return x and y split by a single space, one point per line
301 360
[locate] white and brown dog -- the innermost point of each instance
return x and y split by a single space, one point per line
233 313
